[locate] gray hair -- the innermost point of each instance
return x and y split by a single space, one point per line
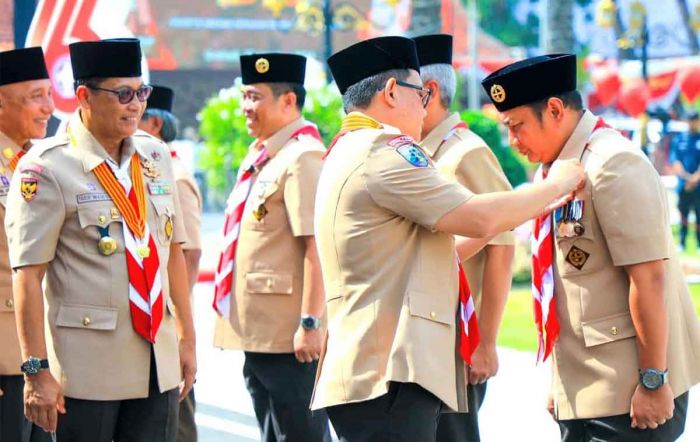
359 95
170 123
446 79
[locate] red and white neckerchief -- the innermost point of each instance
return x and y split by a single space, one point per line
142 261
224 280
542 248
468 324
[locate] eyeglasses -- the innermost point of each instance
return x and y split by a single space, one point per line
424 93
125 95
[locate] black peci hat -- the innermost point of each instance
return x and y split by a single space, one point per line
19 65
434 49
161 98
118 57
273 68
371 57
531 80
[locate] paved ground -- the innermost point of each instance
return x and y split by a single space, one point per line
513 411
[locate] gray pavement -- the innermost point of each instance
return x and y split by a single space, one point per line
513 410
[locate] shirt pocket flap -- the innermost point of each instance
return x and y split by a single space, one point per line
87 316
424 306
164 207
608 329
267 188
279 283
96 215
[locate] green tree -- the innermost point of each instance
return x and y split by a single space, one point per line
226 139
488 129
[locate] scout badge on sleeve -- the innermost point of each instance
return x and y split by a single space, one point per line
29 187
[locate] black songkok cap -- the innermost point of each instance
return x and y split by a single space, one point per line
531 80
273 68
371 57
118 57
434 49
22 65
161 98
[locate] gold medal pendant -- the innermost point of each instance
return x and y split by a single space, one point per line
168 228
107 245
260 213
143 251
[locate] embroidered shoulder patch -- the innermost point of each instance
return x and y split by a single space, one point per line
414 155
29 187
400 141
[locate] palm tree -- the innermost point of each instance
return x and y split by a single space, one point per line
425 18
560 17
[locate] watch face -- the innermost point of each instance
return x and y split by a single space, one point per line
652 379
308 322
31 366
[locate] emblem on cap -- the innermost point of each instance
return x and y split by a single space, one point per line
498 93
262 65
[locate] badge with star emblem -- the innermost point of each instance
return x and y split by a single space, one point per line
577 257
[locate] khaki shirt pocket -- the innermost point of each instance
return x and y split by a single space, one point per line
424 306
608 329
92 217
165 210
269 283
579 255
87 317
259 205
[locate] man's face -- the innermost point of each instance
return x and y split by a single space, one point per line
694 125
534 137
108 115
263 111
410 106
25 109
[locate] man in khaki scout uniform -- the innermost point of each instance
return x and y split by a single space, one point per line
276 291
464 157
159 121
385 220
96 212
627 349
25 108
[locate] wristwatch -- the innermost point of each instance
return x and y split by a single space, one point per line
34 365
652 379
309 322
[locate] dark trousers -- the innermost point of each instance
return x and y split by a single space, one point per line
686 202
13 426
151 419
463 427
407 413
187 428
281 389
618 429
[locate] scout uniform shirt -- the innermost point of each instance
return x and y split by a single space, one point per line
10 354
625 221
462 156
390 280
190 204
266 305
93 349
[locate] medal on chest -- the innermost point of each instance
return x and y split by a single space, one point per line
568 219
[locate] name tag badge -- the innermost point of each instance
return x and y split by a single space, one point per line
93 197
159 188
